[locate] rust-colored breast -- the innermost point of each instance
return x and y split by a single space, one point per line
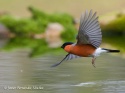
68 48
81 50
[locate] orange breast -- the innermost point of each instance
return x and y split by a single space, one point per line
81 50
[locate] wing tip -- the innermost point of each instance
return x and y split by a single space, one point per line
54 65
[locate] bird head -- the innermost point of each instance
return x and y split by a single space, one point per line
65 44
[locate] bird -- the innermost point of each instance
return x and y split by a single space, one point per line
89 39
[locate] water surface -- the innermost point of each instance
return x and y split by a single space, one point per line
20 74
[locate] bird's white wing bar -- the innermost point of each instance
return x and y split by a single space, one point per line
89 30
67 57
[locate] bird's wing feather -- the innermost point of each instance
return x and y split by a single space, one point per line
67 57
89 30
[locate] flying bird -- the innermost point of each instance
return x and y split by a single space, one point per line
89 39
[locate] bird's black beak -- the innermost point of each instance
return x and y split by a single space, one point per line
61 46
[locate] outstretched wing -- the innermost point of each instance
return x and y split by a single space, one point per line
89 30
67 57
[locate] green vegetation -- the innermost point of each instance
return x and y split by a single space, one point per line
117 25
66 20
25 28
37 23
118 42
114 32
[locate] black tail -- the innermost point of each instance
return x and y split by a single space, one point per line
110 50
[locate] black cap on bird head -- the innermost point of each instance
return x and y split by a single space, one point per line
65 44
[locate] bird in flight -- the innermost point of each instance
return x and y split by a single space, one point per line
88 42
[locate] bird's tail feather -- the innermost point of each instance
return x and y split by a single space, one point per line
111 51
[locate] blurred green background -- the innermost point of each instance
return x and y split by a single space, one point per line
27 22
31 33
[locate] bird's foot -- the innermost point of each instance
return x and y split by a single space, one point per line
93 62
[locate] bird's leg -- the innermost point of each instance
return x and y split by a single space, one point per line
93 61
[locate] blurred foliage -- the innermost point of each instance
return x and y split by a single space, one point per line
64 19
114 32
22 42
19 26
118 42
25 28
38 22
117 25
